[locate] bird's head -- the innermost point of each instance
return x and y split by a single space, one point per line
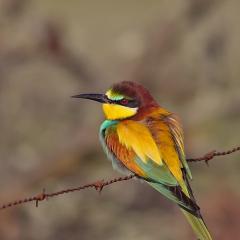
124 100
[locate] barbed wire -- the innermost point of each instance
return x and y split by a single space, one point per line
210 155
100 184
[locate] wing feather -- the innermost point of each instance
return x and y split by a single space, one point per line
164 139
137 137
124 155
176 131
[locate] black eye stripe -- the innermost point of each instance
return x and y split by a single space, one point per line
129 103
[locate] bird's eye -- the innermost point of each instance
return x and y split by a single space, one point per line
124 101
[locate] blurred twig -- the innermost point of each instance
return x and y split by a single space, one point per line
52 43
99 185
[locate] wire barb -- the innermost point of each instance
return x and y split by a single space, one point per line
42 196
99 185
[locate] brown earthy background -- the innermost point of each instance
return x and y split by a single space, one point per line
186 52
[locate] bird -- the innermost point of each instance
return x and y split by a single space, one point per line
141 137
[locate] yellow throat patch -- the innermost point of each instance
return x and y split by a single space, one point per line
115 111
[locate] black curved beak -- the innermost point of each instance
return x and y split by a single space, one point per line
93 96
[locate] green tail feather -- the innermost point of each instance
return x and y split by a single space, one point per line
189 209
198 226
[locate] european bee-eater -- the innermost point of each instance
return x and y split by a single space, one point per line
141 137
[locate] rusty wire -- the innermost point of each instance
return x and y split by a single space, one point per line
99 185
210 155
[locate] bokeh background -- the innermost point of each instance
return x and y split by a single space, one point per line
187 53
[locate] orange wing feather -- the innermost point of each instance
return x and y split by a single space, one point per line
167 131
166 145
122 153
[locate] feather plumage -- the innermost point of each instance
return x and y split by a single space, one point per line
152 148
143 138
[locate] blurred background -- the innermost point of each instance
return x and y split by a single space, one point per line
186 53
